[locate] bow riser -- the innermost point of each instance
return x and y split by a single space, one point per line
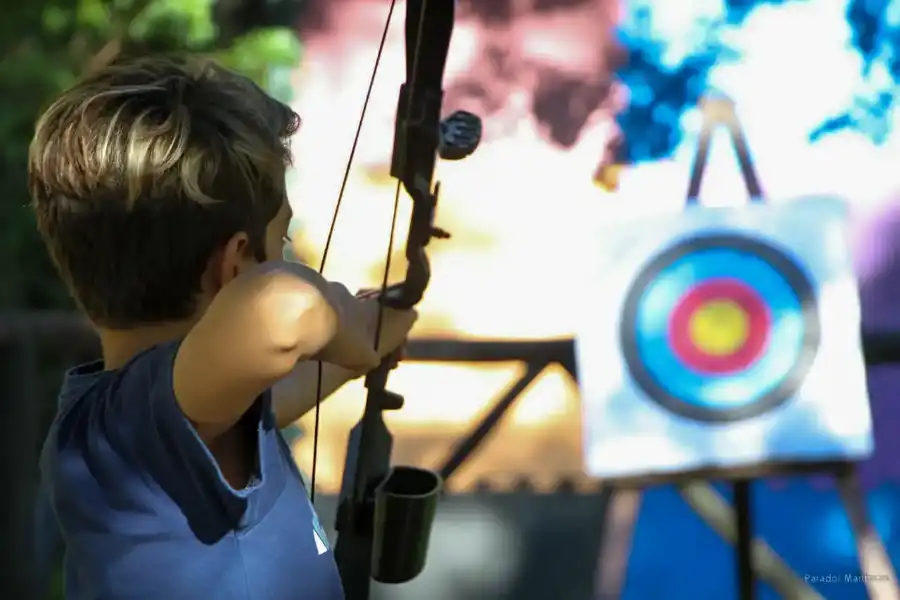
384 515
418 271
367 465
416 139
367 468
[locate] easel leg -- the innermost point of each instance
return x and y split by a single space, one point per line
746 580
721 516
875 564
615 545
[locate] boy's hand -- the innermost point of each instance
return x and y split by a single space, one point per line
352 346
358 320
395 326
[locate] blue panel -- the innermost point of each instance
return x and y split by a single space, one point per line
675 556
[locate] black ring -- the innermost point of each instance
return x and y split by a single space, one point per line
781 263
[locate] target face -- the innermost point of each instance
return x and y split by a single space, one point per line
720 328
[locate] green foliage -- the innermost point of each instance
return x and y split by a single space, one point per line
259 54
44 46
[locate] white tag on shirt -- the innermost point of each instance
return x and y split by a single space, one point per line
321 548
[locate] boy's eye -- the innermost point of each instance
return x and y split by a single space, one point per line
287 252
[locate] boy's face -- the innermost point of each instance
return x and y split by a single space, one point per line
277 232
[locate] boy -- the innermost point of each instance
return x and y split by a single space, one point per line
158 186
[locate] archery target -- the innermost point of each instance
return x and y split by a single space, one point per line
720 328
721 338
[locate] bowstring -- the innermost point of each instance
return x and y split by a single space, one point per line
402 161
334 217
390 247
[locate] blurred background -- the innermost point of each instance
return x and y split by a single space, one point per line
590 111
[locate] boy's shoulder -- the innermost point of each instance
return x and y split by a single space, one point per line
121 454
120 436
90 387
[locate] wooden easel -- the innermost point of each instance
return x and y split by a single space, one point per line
753 557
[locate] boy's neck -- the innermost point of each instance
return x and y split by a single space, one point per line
121 345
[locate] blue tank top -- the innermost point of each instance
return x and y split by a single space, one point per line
146 513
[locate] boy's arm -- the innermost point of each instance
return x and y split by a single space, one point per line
295 395
253 334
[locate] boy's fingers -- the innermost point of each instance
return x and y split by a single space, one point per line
373 361
396 356
408 318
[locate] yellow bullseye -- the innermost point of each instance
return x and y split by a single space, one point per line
719 327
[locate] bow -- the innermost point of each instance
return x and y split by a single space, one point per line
384 514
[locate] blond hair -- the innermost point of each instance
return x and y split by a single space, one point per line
143 169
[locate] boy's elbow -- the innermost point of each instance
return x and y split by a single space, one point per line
300 318
315 325
277 319
252 336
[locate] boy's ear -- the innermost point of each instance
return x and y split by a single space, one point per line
233 258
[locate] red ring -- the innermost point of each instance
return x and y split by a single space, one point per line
732 290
